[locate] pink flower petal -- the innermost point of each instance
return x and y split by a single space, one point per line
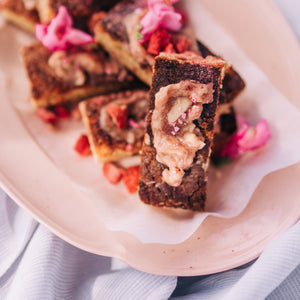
78 37
60 24
246 138
242 125
40 31
62 19
158 6
52 43
230 150
171 21
59 34
159 15
150 23
255 137
263 133
133 124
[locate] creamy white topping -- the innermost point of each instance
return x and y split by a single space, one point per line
72 68
147 139
176 138
137 103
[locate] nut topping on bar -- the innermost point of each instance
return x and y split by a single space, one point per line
115 120
74 67
176 138
70 68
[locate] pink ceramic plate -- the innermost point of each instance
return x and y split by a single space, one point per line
35 183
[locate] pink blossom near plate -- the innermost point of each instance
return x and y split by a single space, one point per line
35 183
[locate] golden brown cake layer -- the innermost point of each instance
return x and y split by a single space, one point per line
47 88
108 142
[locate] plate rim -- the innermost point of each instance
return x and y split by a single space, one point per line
118 251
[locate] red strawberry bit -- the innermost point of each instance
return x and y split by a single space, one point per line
82 146
169 48
131 178
119 114
112 172
158 41
46 115
182 44
61 111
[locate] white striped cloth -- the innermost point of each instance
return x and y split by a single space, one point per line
36 264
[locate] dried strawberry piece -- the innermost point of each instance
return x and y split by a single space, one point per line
182 44
46 115
112 172
61 111
169 48
82 146
158 41
119 114
131 178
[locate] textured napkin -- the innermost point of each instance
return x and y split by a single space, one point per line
36 264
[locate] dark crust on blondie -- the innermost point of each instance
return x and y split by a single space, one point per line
103 145
113 23
17 7
191 193
232 85
45 84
